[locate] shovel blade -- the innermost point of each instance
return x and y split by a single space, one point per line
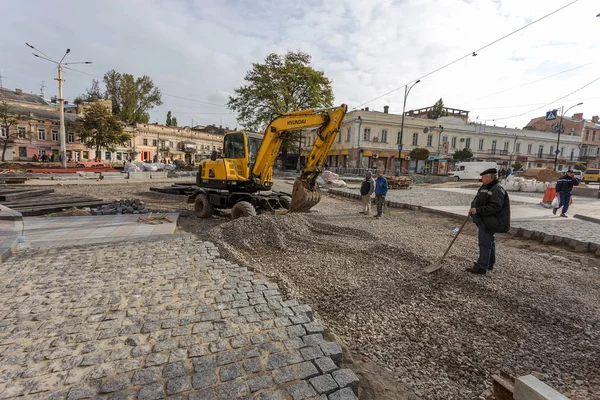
304 196
434 267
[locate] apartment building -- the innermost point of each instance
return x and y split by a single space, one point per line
371 139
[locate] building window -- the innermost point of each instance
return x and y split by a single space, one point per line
594 136
22 152
562 151
3 131
41 133
348 135
551 150
468 143
154 142
21 132
384 135
55 136
540 150
429 140
587 135
129 143
80 139
453 142
367 134
415 140
481 144
506 146
107 155
444 139
494 144
145 142
572 154
518 148
71 137
529 148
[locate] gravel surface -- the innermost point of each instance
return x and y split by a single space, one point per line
445 334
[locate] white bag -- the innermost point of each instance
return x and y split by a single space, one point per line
555 202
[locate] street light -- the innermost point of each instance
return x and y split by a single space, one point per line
560 128
400 145
61 100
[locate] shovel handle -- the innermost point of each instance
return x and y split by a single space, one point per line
455 236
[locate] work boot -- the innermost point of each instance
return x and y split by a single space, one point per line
378 216
475 270
564 215
554 211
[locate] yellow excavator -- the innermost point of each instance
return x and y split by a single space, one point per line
240 178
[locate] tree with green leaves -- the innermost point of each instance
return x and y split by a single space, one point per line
132 98
281 84
419 153
101 129
517 166
463 155
8 119
174 122
169 119
580 167
92 94
437 110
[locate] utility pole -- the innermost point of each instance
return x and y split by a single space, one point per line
61 100
401 145
43 90
1 76
560 129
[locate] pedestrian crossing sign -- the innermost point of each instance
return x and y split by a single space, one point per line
551 115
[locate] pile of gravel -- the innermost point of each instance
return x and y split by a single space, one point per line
121 207
444 334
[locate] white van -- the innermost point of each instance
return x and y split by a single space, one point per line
578 174
471 170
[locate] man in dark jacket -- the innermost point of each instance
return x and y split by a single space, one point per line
490 210
366 190
563 191
381 188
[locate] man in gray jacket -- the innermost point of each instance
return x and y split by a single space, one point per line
366 190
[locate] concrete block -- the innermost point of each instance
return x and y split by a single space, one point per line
158 174
528 387
138 175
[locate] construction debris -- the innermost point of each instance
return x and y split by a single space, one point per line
30 201
178 189
156 220
399 182
121 207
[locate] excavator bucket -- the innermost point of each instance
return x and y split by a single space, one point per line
304 196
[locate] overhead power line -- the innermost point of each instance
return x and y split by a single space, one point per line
470 54
548 104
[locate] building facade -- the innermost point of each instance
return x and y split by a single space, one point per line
37 133
371 139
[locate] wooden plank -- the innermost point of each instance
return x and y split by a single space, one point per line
28 212
61 200
25 194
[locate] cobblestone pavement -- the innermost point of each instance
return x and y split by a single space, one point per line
156 319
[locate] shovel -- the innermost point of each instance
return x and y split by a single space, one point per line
438 265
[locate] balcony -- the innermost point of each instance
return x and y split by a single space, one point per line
587 157
497 152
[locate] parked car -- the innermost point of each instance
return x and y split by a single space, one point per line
578 174
591 175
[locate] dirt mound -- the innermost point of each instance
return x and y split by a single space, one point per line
540 174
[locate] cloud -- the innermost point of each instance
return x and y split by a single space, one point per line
202 50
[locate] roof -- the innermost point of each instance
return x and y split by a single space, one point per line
11 95
41 113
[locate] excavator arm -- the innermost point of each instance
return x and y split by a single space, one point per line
306 192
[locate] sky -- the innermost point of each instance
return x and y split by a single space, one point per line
198 51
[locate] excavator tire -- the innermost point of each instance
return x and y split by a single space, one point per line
242 209
285 201
304 196
202 207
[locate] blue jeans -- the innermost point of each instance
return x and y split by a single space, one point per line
565 200
487 245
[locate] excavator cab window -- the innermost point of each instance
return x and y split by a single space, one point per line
234 145
253 146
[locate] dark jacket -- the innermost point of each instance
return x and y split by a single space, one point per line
381 186
565 184
493 207
367 187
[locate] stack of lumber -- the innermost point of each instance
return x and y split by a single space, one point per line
7 178
399 182
30 201
179 189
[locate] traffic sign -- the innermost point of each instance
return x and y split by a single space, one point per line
551 115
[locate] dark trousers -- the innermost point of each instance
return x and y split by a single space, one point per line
487 245
565 200
380 200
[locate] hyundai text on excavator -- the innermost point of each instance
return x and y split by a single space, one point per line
241 177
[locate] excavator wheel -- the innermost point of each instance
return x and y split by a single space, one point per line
304 196
202 207
242 209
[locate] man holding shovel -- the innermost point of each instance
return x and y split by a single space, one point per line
490 211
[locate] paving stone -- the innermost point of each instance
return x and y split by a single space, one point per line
202 363
259 382
343 394
324 384
296 331
230 372
146 376
174 370
284 374
333 350
229 357
157 359
179 384
231 390
239 341
313 339
311 353
153 391
204 378
314 327
307 370
252 365
204 394
346 378
278 395
116 383
300 390
325 365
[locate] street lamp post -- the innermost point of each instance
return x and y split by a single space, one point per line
61 100
400 144
560 128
